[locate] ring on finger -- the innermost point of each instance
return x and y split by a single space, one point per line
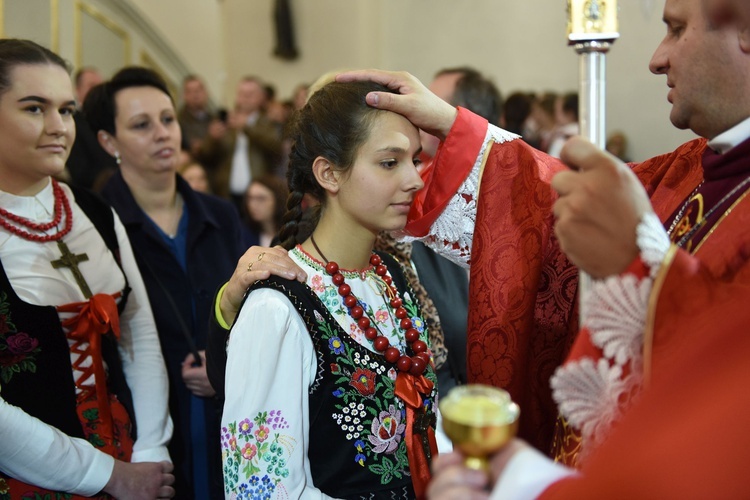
250 266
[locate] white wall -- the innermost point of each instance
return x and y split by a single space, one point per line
520 43
193 30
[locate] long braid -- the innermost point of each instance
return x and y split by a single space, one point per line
291 219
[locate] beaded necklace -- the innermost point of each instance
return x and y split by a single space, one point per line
415 364
61 205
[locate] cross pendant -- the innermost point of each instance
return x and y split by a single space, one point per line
71 260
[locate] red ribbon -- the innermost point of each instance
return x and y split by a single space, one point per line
94 318
410 389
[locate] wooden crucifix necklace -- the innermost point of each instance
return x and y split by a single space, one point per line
71 260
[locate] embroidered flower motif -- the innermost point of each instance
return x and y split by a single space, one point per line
335 368
21 343
381 316
336 345
316 283
245 427
364 381
261 434
254 468
18 350
587 394
392 374
386 431
338 392
249 451
418 323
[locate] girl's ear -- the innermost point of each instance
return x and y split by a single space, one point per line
327 177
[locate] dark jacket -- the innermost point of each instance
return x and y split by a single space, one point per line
213 248
264 149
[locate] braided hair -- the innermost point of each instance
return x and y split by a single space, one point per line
334 124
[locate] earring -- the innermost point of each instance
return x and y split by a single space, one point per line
117 157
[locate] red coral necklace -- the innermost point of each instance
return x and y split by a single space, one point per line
415 364
61 205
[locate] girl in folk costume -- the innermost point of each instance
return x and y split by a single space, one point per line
330 388
80 363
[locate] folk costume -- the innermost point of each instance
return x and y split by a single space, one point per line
80 363
323 397
488 203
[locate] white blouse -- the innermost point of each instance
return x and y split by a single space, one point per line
31 450
270 367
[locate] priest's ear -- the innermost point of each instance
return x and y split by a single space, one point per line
326 174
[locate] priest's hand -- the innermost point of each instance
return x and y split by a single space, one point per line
414 101
258 263
141 481
451 479
195 377
600 205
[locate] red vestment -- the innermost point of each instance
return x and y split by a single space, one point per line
686 436
523 318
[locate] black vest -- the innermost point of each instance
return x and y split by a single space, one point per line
35 370
357 426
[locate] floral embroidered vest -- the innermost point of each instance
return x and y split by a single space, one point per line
35 369
357 424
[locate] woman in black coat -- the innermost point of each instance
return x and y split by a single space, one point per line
185 243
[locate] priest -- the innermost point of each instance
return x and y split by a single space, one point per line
490 200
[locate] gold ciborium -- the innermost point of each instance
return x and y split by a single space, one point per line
480 420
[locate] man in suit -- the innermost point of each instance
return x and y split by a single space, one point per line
247 146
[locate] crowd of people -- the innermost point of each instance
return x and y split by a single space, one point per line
154 343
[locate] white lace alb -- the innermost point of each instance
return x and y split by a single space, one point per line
591 394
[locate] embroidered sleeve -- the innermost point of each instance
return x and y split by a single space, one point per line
265 425
591 393
452 233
